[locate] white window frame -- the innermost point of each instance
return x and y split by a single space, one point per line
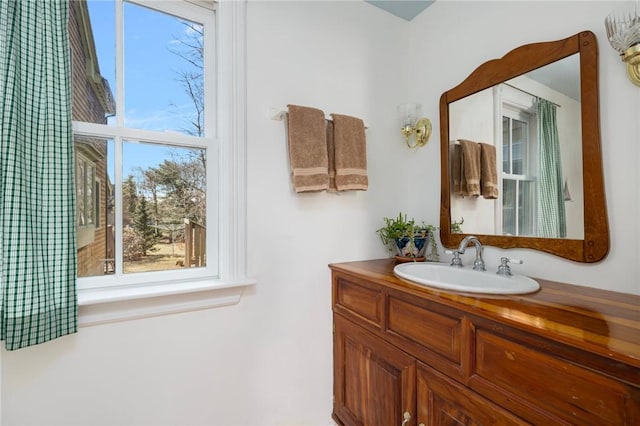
166 292
511 105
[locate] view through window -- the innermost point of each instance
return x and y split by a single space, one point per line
142 140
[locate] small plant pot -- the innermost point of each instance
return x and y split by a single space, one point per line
410 250
408 241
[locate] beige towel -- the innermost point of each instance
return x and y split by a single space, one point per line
331 152
350 153
456 169
470 168
307 149
488 171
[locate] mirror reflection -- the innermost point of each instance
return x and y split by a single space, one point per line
527 127
515 155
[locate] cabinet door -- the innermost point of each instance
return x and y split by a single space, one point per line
374 382
444 402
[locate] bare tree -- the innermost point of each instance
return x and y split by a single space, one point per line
190 47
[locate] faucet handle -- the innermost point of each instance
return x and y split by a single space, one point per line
504 268
455 261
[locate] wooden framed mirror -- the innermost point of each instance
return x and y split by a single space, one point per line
499 104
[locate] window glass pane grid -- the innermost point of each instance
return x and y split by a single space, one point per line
518 185
151 277
115 131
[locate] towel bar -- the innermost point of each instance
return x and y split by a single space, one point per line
279 114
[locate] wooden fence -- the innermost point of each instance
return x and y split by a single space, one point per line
195 253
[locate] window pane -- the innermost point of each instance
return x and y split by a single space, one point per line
95 240
91 35
506 145
519 140
164 214
508 207
164 83
526 208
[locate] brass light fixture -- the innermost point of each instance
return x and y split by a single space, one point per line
623 32
412 125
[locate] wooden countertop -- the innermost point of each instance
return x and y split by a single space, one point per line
604 322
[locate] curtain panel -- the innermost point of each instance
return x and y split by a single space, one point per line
37 191
551 211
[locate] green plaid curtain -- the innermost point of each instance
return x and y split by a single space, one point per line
551 212
37 205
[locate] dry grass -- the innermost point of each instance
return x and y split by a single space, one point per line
167 257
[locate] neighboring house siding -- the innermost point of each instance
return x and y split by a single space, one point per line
86 107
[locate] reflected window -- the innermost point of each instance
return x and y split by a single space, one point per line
92 206
85 182
518 172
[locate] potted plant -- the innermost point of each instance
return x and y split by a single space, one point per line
408 240
456 227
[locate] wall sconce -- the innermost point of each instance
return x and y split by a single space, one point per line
411 124
623 32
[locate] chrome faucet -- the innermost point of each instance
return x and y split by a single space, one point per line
504 268
478 264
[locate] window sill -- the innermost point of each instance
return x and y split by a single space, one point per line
106 305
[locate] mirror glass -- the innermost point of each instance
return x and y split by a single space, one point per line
506 116
520 145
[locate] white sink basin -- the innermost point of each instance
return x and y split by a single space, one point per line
443 276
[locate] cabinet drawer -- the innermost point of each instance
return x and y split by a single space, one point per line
547 387
424 330
440 333
360 299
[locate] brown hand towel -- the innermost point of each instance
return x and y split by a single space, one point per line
456 169
331 151
350 153
471 167
307 149
488 171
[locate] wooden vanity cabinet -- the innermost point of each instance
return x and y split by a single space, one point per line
407 355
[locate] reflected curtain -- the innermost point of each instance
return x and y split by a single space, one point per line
37 205
551 210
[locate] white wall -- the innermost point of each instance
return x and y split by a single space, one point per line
455 37
472 118
268 360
